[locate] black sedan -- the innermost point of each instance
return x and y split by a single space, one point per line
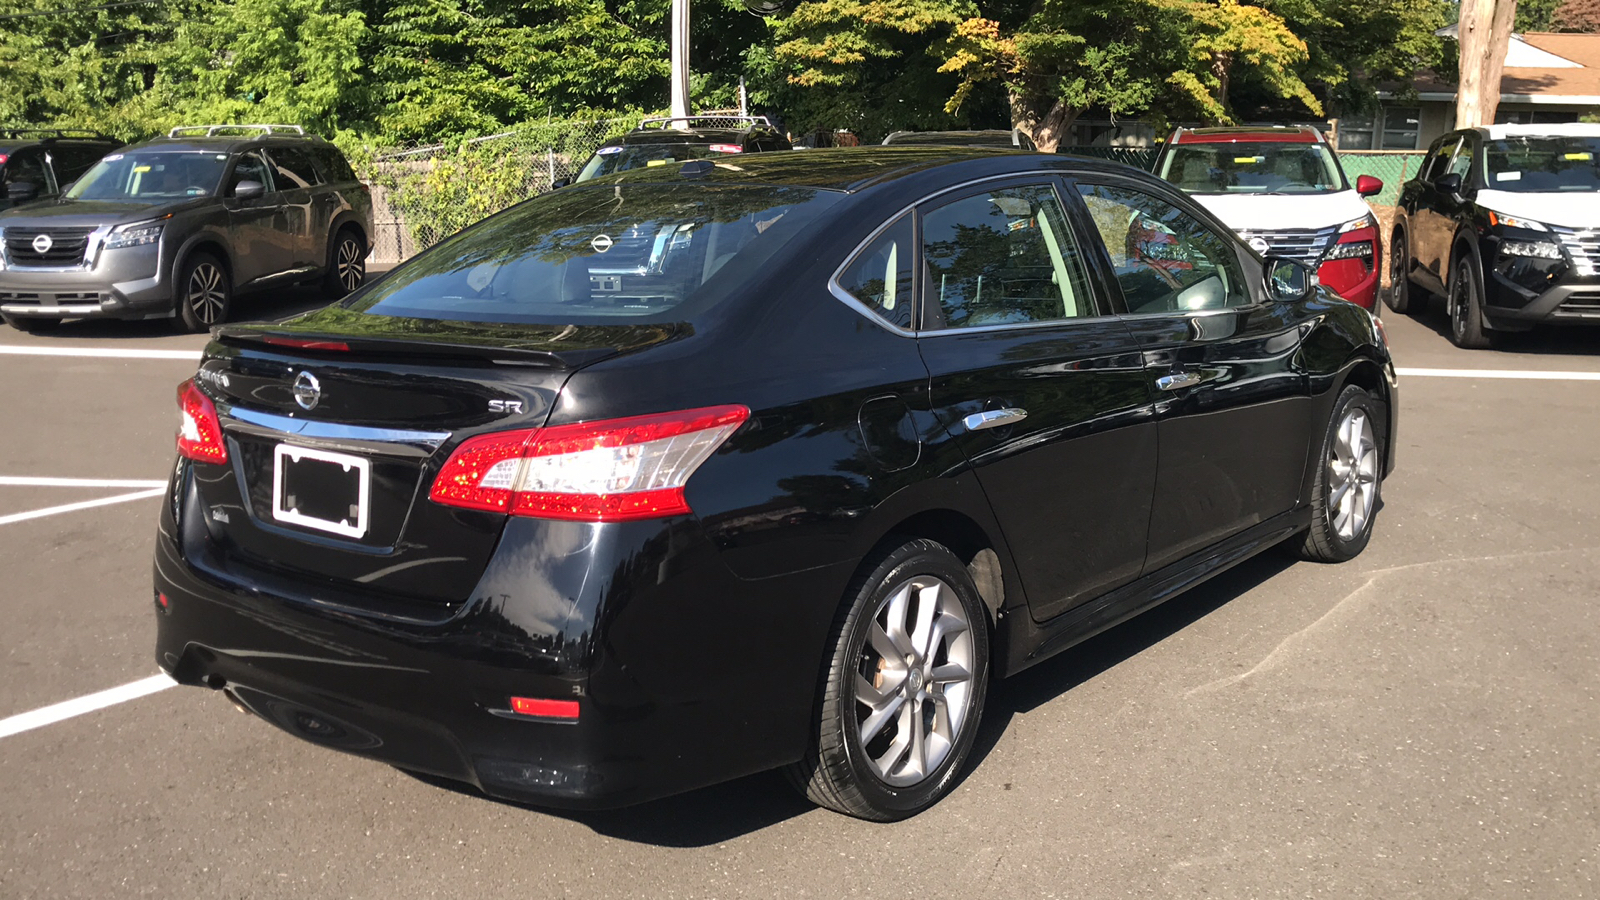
1504 222
707 469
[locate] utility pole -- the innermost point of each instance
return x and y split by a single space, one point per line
680 59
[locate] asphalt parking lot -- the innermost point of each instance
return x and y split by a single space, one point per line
1421 722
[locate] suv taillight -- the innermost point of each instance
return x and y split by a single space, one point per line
607 471
200 432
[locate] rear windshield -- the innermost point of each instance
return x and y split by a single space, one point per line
608 253
1539 164
1253 168
152 176
609 160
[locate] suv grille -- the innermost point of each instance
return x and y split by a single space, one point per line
66 246
1584 247
1298 244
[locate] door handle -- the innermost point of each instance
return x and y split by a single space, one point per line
993 418
1177 381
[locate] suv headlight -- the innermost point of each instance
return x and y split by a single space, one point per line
1504 221
1353 224
134 235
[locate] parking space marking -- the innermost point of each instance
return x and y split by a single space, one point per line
102 352
84 504
1531 374
27 481
67 709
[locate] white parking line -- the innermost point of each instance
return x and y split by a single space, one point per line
84 504
1531 374
28 481
67 709
102 352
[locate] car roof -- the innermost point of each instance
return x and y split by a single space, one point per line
227 144
1569 129
656 136
1237 134
972 137
858 169
12 144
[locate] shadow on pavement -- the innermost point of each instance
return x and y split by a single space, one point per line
1575 340
720 813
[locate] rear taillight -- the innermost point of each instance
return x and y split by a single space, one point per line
200 432
607 471
307 344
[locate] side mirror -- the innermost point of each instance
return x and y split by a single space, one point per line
1449 184
22 191
560 183
1289 280
248 190
1367 186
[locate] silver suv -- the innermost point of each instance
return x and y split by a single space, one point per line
175 227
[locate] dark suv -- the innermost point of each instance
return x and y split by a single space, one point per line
658 141
1502 221
39 163
176 226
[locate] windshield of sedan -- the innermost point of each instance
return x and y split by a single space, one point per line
151 176
610 160
637 252
1253 168
1539 164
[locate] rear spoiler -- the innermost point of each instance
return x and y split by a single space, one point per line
341 345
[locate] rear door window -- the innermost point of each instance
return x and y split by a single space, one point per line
633 251
1002 257
292 168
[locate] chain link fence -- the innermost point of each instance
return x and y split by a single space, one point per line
1138 157
422 194
1392 167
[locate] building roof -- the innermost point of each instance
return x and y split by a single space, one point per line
1568 72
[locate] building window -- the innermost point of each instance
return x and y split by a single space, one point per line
1401 127
1355 132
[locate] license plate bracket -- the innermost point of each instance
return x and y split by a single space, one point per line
321 490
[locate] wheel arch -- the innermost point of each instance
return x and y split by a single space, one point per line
205 242
967 539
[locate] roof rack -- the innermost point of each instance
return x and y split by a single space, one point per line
214 130
708 121
53 132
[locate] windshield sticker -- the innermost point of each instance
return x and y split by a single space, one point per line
1247 160
657 162
141 168
1508 176
1579 157
479 276
113 157
607 151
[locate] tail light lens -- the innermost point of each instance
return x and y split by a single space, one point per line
607 471
200 432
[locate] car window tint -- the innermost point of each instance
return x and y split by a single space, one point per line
27 166
250 167
333 164
880 275
1461 163
1003 257
1434 165
1165 259
72 162
292 168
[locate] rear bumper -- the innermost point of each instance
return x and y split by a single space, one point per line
684 675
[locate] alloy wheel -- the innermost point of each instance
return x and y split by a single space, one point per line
351 268
1352 474
1397 269
207 295
914 684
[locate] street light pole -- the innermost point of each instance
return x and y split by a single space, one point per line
680 59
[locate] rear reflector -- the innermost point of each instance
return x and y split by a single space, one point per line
545 709
199 432
607 471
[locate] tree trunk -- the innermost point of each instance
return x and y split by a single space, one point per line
1222 67
1046 130
1485 35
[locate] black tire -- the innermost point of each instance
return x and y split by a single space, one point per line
203 293
1466 303
1399 296
841 770
31 325
1332 537
347 263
